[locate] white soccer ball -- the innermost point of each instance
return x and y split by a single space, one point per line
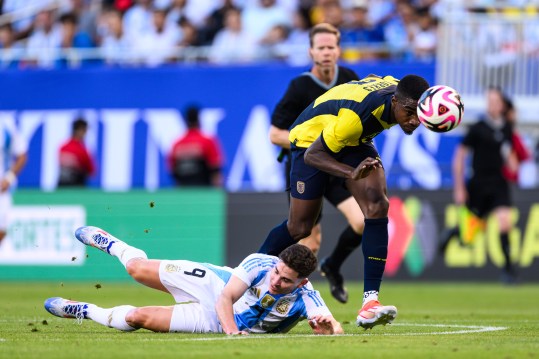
440 108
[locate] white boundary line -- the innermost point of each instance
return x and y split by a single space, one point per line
462 329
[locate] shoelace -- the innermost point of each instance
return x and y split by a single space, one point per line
77 310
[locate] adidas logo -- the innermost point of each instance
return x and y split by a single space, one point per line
100 240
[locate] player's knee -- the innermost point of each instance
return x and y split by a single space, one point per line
377 205
135 268
137 318
299 231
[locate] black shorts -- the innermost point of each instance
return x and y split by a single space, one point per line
484 195
336 191
310 183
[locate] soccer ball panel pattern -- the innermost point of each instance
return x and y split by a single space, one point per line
440 108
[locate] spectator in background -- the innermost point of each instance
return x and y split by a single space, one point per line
358 34
76 163
13 157
22 27
272 46
215 22
196 159
175 12
297 43
331 12
233 44
43 45
399 31
425 39
115 45
86 14
357 29
188 35
71 38
138 19
11 49
158 44
259 19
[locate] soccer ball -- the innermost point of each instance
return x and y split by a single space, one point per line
440 108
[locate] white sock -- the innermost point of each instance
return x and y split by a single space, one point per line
125 252
370 295
111 317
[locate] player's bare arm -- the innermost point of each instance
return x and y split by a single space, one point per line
233 290
279 137
317 156
325 325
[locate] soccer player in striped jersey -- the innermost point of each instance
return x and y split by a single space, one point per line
333 137
264 294
325 73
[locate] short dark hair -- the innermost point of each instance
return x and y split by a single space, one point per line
300 259
69 17
192 116
79 124
411 87
324 28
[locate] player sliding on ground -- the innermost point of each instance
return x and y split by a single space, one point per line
264 294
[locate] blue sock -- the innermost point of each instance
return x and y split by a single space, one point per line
277 240
375 241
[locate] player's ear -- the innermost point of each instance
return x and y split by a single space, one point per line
303 282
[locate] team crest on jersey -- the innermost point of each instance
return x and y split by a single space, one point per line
172 268
282 307
267 301
300 186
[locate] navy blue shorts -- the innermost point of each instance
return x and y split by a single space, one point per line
308 182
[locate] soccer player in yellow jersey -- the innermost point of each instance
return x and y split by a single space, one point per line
333 137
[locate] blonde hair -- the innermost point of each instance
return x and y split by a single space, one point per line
324 28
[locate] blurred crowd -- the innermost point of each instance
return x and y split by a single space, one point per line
59 33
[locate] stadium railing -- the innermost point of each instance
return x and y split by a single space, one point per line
498 48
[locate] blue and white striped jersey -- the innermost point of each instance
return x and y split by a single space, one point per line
258 311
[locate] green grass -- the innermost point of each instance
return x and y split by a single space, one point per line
435 321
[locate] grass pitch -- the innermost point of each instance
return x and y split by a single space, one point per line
469 320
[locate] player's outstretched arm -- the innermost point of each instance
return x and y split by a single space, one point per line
233 290
317 156
325 325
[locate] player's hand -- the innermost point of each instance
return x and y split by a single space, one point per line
325 325
365 168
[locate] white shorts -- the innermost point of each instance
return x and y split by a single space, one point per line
196 288
5 208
